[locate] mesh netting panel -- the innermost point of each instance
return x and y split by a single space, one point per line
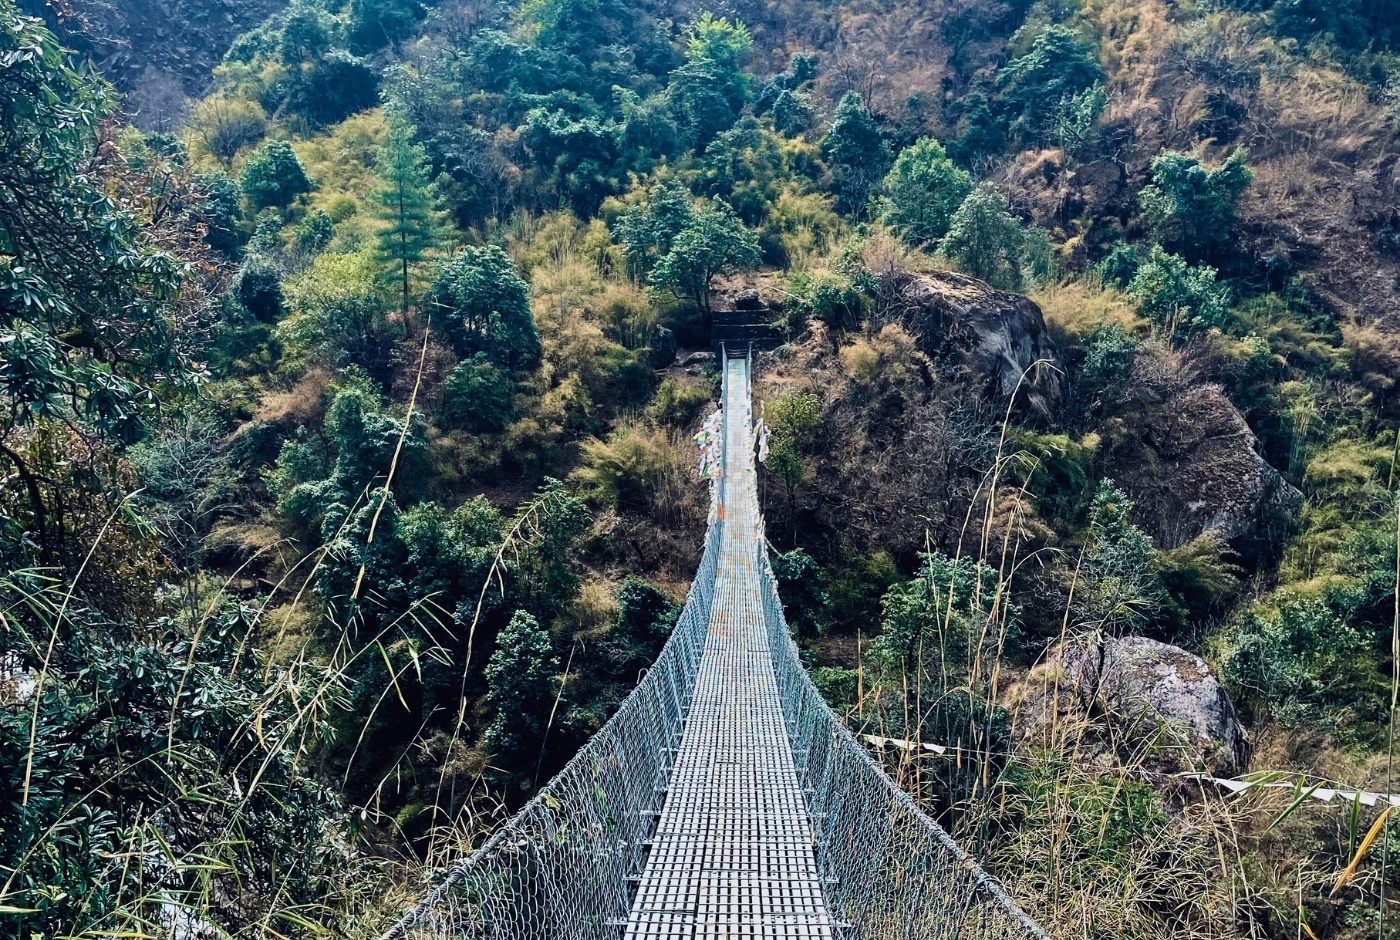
563 867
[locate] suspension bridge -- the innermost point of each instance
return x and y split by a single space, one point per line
723 799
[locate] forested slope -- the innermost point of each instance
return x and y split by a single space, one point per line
346 473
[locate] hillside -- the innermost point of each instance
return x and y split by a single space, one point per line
356 350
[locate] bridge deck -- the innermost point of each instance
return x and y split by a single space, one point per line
732 855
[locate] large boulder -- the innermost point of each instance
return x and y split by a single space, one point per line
1186 456
1132 698
995 335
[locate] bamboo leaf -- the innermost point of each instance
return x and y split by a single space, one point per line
1376 828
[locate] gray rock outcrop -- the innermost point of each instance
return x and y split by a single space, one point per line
1133 697
994 334
1190 461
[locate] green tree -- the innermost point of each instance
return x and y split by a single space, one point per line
924 188
645 618
712 243
802 587
1183 299
273 176
94 334
521 684
646 232
1056 69
1192 209
858 154
793 420
486 307
709 91
933 625
404 203
337 313
986 240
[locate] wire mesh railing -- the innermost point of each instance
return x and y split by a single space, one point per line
565 866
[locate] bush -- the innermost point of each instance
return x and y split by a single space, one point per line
273 176
1056 69
1183 300
477 396
1192 210
486 307
521 684
802 587
1300 660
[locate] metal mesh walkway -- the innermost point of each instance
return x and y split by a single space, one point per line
733 852
724 799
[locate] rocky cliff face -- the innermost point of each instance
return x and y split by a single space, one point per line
993 334
1191 463
158 53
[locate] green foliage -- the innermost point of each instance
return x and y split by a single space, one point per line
1300 660
477 396
985 240
1108 364
1182 299
858 154
521 679
648 231
802 586
924 189
338 313
361 443
1118 589
628 470
1192 210
221 213
645 618
838 686
709 91
485 307
273 177
137 726
935 624
712 242
1198 581
89 304
403 202
793 419
838 295
377 23
1050 76
1076 117
259 289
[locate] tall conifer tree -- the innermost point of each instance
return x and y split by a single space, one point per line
404 201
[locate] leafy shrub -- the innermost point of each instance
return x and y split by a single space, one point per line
520 679
477 396
985 240
1192 210
802 587
1118 587
1182 299
273 176
1056 69
1300 659
486 307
